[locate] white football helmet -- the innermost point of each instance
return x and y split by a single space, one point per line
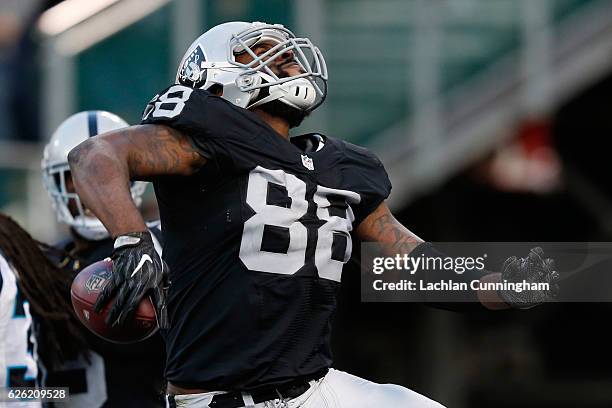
210 60
74 130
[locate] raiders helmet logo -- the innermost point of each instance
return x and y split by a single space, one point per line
192 74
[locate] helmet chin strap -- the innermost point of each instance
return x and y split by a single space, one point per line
298 93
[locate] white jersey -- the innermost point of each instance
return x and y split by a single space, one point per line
17 344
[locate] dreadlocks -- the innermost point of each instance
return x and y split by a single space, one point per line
47 288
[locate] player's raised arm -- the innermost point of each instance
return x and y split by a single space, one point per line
102 169
381 226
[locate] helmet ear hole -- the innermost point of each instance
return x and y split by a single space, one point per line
216 89
58 181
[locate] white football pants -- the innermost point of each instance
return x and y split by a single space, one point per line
336 390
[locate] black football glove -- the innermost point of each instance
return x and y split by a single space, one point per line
137 269
533 269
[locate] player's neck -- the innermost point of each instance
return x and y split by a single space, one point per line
280 125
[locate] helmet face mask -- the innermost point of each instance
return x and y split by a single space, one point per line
56 171
68 206
211 59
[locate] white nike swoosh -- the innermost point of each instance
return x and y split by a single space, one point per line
144 259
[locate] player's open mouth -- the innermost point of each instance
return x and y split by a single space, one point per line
289 64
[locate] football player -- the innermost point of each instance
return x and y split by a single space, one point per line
37 324
257 225
107 377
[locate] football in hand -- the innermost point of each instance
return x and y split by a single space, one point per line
84 292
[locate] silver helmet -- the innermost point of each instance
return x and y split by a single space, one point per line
55 170
211 60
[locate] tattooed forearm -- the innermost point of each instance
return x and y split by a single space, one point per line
383 228
395 239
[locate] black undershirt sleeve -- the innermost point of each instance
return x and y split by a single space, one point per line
454 300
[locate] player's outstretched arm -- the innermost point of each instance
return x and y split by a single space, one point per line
382 227
102 168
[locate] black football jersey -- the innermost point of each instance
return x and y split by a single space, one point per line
256 242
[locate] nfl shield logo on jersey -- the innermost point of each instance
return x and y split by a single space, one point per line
307 162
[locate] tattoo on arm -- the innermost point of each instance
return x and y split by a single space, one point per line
159 150
382 227
81 151
103 166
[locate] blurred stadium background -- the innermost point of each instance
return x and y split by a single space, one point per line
492 118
